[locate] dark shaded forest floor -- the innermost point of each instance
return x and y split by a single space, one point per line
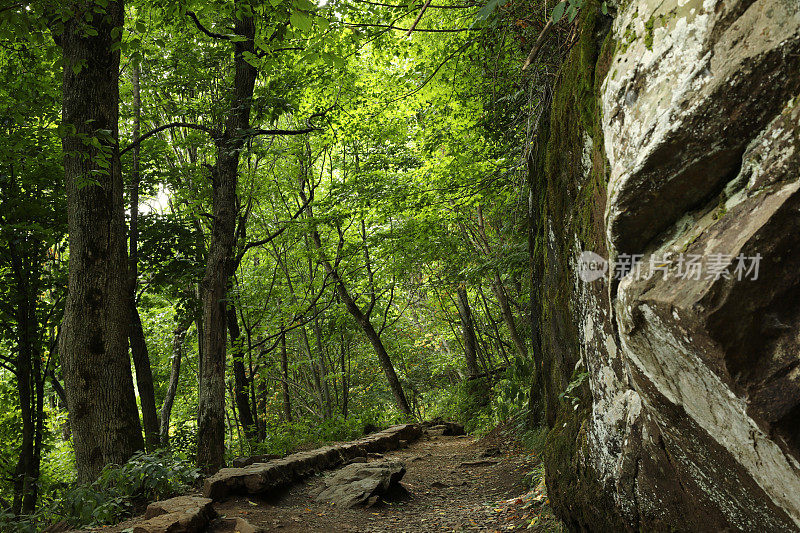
442 494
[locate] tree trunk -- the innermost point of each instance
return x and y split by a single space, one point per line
468 330
287 404
508 317
23 482
240 392
383 357
211 397
141 359
323 368
366 325
174 376
94 340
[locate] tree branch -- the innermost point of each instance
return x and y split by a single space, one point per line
206 30
538 44
419 17
213 133
303 131
271 237
390 27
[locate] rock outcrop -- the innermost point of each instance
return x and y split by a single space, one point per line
261 477
673 150
361 483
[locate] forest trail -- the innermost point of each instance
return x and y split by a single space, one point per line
442 494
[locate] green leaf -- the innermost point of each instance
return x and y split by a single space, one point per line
140 26
300 20
572 11
604 8
487 10
558 11
305 5
251 58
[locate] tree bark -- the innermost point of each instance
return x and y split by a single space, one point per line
94 339
211 397
174 377
468 331
141 359
240 392
508 317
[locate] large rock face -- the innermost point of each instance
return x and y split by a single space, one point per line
677 141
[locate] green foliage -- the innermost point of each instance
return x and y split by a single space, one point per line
416 168
570 391
285 438
570 9
145 477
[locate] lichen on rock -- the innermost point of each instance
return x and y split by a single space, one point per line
689 417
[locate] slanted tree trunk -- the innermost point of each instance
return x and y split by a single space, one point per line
224 176
174 376
94 332
508 317
141 359
468 331
369 330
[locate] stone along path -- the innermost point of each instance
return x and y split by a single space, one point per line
442 494
451 483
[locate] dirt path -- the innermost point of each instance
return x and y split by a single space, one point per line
442 494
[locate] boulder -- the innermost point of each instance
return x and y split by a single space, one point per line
184 514
361 484
441 427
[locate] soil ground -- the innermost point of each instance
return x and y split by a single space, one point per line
441 494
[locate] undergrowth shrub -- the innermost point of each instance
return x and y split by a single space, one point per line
115 494
282 438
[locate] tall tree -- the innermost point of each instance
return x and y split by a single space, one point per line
141 359
468 331
94 333
224 177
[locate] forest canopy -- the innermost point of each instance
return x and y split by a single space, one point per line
235 227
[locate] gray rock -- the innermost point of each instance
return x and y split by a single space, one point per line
241 462
682 387
184 514
359 484
258 478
